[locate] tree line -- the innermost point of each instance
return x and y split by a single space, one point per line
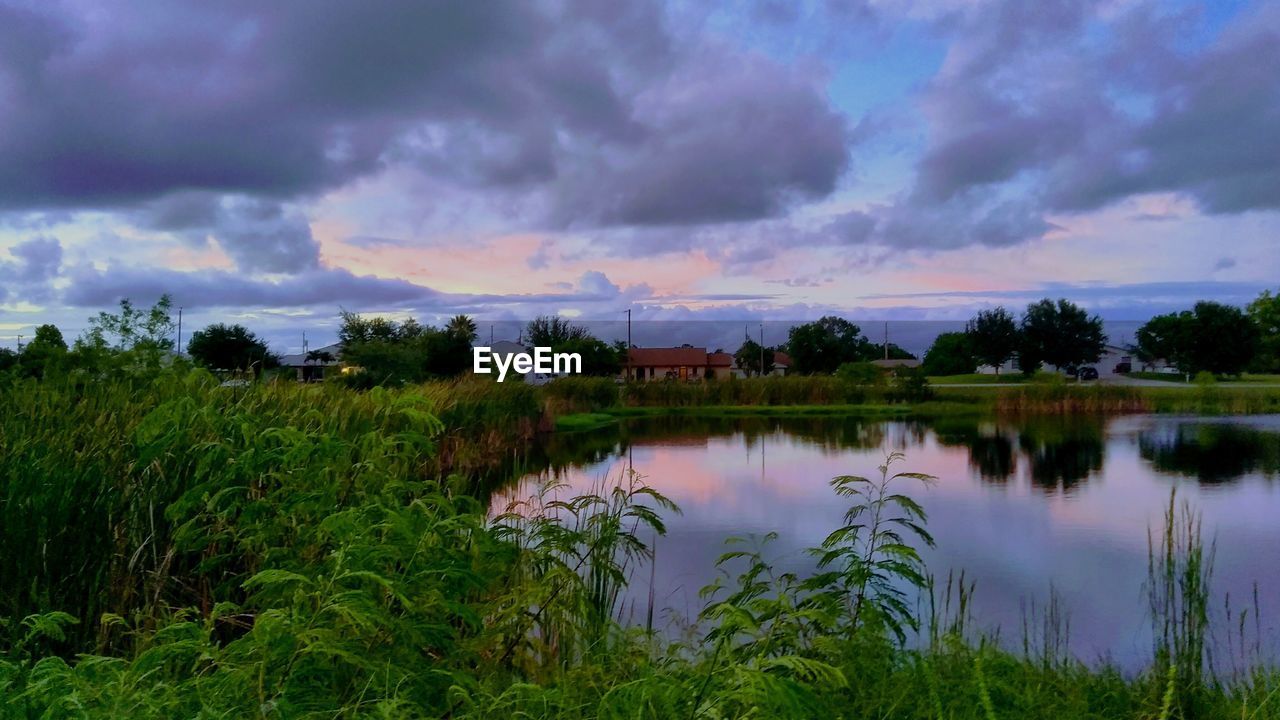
385 351
1059 334
1211 337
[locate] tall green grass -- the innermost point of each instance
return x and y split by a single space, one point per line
176 549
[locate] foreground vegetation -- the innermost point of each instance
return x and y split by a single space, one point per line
179 549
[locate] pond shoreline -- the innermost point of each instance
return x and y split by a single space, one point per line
996 400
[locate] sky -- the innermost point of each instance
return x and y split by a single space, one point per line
272 163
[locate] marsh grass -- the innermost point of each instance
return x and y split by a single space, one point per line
173 549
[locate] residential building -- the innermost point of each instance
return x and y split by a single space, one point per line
690 363
314 365
675 363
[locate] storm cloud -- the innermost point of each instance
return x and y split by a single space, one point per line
1074 106
606 111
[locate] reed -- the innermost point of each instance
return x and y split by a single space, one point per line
178 549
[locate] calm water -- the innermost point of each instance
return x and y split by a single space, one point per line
1020 508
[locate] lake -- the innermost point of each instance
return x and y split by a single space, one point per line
1019 507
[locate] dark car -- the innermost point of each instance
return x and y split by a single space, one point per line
1088 373
1124 367
1071 371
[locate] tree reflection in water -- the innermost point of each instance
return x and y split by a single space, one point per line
1059 453
1063 452
1212 452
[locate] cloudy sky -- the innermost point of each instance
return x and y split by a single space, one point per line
268 163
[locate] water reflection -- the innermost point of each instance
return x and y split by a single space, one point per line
992 456
1059 453
1019 506
1063 452
1211 452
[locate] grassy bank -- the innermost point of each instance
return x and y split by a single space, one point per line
1244 379
569 398
1013 378
1064 398
176 549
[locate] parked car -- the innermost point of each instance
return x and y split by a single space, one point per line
1088 373
1071 370
1123 368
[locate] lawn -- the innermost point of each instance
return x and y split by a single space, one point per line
1245 379
977 379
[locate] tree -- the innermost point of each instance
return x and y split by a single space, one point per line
46 354
230 347
824 345
462 326
950 354
133 329
1226 340
406 351
993 337
358 329
1265 314
1213 338
1062 334
8 360
599 358
552 331
749 357
1162 338
896 352
448 352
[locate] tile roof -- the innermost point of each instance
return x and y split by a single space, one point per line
668 357
719 359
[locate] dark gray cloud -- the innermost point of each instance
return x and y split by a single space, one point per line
261 236
36 262
1183 293
322 288
606 111
1070 108
92 287
758 139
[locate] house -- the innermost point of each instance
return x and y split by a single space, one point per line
690 363
314 365
719 365
1114 360
675 363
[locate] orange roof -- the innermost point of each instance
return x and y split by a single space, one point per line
668 357
781 358
720 359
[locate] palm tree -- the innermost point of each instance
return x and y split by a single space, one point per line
461 326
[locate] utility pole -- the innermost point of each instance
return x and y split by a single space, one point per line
886 339
19 344
762 357
628 344
179 329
